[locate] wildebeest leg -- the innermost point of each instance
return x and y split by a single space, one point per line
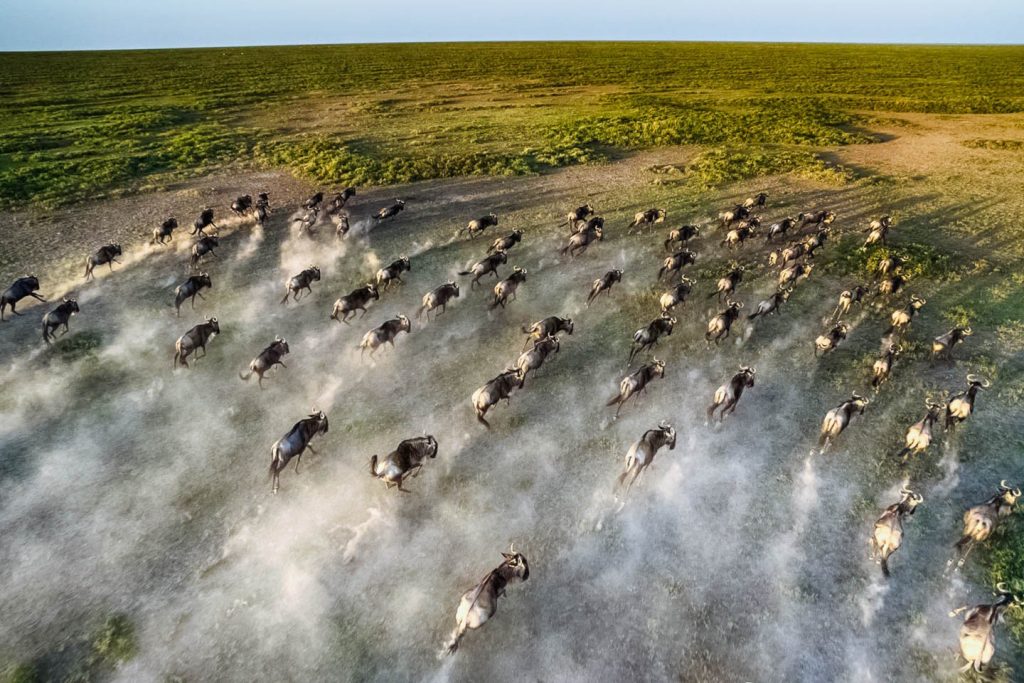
297 459
363 313
729 408
193 301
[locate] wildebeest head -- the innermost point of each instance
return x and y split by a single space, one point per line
31 281
978 381
859 403
659 367
670 434
501 257
213 324
404 263
403 323
204 280
454 287
917 302
116 249
72 305
314 273
431 446
1008 493
371 289
910 500
566 325
749 372
282 345
517 563
320 419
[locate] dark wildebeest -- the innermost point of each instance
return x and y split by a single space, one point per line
817 218
830 340
943 345
495 390
674 263
839 418
727 284
576 215
438 298
165 233
779 229
242 205
771 305
478 225
190 289
589 224
19 289
889 264
480 603
393 272
813 243
727 396
307 221
196 338
790 275
758 201
579 242
648 217
107 254
313 203
203 247
547 327
339 200
603 284
878 231
505 290
677 295
301 282
405 461
961 406
647 337
681 236
641 454
59 317
891 285
721 325
294 444
847 299
792 252
887 536
262 209
740 234
507 242
736 213
487 265
883 366
535 357
636 383
389 211
356 300
385 333
341 225
977 634
204 221
981 520
268 358
902 317
919 435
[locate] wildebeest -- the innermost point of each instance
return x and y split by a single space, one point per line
190 289
341 225
405 461
677 295
505 290
301 282
981 520
830 340
883 366
943 344
603 284
204 221
339 200
738 235
385 333
891 285
487 265
356 300
262 209
267 359
203 246
393 272
727 284
495 390
878 231
107 254
579 242
59 317
550 326
771 305
480 603
758 201
308 221
736 213
507 242
887 535
681 236
648 217
438 298
313 203
674 263
919 435
647 336
389 211
196 338
641 454
779 229
818 218
977 634
847 299
889 264
902 317
588 225
792 252
816 241
727 396
534 358
790 275
576 215
478 225
636 383
242 205
838 419
165 232
720 325
24 286
294 444
961 406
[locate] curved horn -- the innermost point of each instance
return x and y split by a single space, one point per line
1004 485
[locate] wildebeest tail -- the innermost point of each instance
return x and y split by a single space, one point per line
465 272
615 399
246 376
885 566
46 333
373 464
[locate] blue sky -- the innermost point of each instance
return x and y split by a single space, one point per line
113 24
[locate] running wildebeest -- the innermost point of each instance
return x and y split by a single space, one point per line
478 225
677 295
817 218
771 305
757 201
165 233
579 242
738 235
816 241
648 217
389 211
204 221
480 603
339 200
981 520
507 242
636 383
313 203
356 300
294 444
190 289
302 282
393 272
902 317
889 264
730 216
24 286
262 209
242 205
268 358
790 275
405 461
385 333
977 634
641 454
727 284
830 340
547 327
196 338
943 345
487 265
919 435
792 252
505 290
961 406
878 231
779 229
727 396
341 225
681 236
674 263
590 224
887 535
203 247
438 298
495 390
576 215
603 284
838 419
891 285
720 325
107 254
308 221
847 299
647 337
59 317
883 366
534 358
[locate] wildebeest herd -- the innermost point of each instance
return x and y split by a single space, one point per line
737 225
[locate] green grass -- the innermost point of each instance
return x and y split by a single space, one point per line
82 125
